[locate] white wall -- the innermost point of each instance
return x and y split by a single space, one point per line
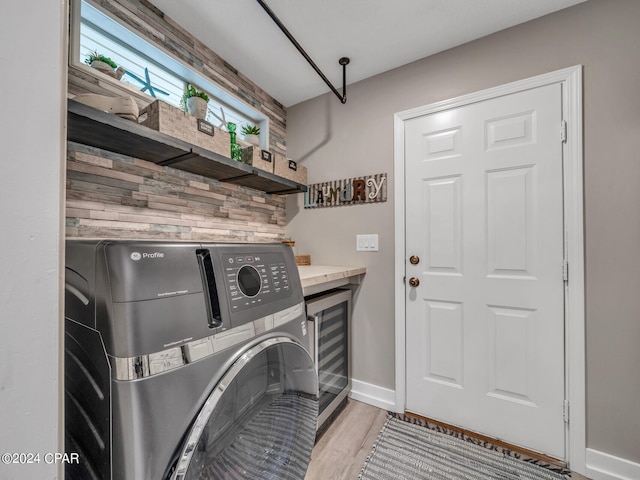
33 59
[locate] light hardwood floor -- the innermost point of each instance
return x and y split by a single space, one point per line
344 446
341 451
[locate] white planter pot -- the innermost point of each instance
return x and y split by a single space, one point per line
107 69
100 65
252 139
197 107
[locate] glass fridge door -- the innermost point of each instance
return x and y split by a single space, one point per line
329 320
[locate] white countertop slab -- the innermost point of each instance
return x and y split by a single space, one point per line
317 278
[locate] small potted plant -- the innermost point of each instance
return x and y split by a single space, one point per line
104 64
195 101
251 134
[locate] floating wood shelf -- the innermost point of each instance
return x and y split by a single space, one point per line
96 128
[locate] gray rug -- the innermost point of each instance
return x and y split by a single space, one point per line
405 451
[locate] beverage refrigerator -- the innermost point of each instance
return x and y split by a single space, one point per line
329 318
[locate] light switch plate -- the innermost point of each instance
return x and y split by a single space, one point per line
367 243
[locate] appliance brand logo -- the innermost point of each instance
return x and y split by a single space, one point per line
137 256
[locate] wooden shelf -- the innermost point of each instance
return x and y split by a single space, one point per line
96 128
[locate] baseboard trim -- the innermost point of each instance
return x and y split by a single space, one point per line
602 466
599 465
373 395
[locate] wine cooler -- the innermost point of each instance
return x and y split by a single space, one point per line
328 316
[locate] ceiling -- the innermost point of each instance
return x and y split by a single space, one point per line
377 35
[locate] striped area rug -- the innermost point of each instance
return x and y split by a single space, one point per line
405 451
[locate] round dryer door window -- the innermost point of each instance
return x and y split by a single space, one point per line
259 422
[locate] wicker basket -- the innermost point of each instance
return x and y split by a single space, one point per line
253 156
283 167
172 121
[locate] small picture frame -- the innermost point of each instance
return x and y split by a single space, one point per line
205 127
265 155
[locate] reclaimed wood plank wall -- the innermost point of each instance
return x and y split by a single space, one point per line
113 196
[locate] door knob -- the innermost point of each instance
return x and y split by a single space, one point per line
414 282
414 259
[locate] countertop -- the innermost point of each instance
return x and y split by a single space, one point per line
317 278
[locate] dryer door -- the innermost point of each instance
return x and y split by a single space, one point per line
259 422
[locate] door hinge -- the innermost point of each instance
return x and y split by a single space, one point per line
565 411
565 270
563 131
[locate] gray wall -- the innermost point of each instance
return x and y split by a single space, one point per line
31 203
339 141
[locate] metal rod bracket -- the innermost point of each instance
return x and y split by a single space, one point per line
344 61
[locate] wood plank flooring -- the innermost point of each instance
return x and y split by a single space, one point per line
341 451
344 446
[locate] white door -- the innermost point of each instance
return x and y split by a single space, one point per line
484 215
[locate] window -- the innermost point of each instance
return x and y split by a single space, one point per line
152 71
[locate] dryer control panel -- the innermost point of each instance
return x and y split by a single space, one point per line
255 279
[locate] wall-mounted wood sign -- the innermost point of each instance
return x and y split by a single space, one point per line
349 191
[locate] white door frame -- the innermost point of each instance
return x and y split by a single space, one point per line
571 80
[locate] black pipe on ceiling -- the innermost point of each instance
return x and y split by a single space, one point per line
344 61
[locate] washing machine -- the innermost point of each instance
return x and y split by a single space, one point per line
186 361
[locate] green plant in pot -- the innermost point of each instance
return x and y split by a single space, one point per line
104 64
194 101
251 134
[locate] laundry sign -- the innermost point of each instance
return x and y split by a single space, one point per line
349 191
